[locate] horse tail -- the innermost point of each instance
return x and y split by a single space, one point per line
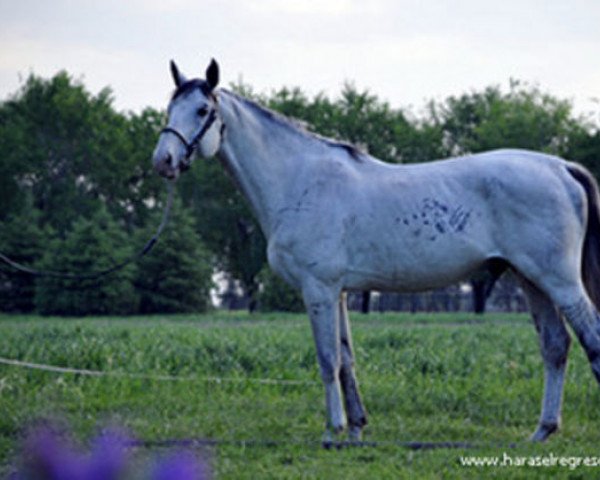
590 261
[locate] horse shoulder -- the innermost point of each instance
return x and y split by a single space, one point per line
308 234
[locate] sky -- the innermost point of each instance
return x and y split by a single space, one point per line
407 52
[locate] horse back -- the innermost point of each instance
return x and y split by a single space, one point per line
413 227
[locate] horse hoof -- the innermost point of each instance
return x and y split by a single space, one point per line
355 434
543 432
327 441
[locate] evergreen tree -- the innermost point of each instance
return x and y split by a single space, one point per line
177 275
92 245
23 241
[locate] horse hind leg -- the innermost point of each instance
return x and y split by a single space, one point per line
584 319
355 410
564 287
554 346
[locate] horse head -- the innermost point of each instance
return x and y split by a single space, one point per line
194 125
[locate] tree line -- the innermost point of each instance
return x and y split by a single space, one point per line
77 190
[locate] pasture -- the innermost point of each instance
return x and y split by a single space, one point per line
430 378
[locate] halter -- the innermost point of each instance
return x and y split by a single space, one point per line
191 146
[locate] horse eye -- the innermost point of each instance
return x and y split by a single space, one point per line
202 111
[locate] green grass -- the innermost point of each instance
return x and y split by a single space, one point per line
442 377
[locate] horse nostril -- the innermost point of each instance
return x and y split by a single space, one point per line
169 160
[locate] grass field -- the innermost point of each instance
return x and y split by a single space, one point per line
428 378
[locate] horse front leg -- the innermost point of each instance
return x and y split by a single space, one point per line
322 306
357 416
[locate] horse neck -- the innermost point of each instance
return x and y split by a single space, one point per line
258 152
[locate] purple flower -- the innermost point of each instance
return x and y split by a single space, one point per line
109 457
48 455
180 466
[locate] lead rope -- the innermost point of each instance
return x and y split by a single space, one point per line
114 268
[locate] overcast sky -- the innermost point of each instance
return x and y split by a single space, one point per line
404 51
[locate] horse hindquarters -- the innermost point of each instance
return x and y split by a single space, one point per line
571 282
582 310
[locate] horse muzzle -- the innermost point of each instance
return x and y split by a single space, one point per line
166 167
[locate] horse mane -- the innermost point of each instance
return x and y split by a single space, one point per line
295 125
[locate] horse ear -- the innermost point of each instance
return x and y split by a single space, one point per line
212 74
178 78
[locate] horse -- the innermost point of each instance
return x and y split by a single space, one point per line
337 219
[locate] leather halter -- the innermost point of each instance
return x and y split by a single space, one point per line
191 146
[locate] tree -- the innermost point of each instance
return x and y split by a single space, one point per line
584 147
24 242
177 275
92 245
72 152
524 117
67 154
362 119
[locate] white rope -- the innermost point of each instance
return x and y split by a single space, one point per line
208 442
168 378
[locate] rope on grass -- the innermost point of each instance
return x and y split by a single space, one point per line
161 378
338 445
265 443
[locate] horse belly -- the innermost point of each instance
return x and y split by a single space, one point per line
418 261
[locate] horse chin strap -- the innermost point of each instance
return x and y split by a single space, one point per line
191 146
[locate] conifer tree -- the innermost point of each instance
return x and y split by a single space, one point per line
23 241
177 275
92 245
